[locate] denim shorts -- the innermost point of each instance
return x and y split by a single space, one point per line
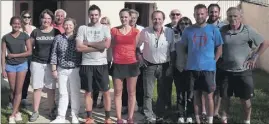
17 68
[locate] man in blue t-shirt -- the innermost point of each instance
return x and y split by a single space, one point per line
204 45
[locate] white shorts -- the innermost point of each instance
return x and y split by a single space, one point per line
41 75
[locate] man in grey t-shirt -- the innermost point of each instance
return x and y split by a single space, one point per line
92 41
238 60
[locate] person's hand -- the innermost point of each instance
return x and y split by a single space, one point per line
55 74
4 74
141 61
251 63
10 56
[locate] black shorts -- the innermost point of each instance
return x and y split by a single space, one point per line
180 79
97 74
122 71
202 80
239 84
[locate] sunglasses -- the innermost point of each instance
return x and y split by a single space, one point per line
175 14
27 17
104 23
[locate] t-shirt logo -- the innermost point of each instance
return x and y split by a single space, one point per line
199 40
45 38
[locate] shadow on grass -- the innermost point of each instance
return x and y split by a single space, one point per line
260 103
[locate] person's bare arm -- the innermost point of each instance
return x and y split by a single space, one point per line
80 47
27 53
218 52
105 44
263 46
3 56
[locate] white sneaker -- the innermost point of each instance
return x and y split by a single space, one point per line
75 120
180 120
189 120
11 120
58 120
18 117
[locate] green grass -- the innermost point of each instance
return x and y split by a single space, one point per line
260 102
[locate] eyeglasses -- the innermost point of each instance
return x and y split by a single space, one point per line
27 17
175 14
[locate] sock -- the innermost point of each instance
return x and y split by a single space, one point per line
247 121
197 117
204 113
107 113
89 114
210 120
224 119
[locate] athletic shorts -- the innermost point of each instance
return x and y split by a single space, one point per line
239 84
41 75
17 68
97 74
123 71
202 80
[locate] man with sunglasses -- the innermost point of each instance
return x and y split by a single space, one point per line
175 16
158 44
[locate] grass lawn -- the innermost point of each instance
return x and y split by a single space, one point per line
260 102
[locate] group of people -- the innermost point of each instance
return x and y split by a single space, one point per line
208 61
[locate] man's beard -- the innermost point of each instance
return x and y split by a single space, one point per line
211 20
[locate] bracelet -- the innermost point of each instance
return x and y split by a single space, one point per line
54 70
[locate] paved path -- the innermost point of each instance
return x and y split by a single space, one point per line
98 114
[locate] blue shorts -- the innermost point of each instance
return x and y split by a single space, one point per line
17 68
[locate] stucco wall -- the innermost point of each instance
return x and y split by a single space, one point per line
258 17
111 8
6 14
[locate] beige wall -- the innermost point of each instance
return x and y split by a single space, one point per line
258 17
6 14
77 10
112 8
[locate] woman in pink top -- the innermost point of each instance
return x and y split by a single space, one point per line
125 64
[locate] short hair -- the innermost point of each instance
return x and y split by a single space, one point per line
46 11
60 10
134 11
94 7
234 8
72 20
214 5
125 10
199 6
107 19
25 12
158 11
13 19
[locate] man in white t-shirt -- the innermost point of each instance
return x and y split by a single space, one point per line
92 41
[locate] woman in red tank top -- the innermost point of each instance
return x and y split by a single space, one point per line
125 64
